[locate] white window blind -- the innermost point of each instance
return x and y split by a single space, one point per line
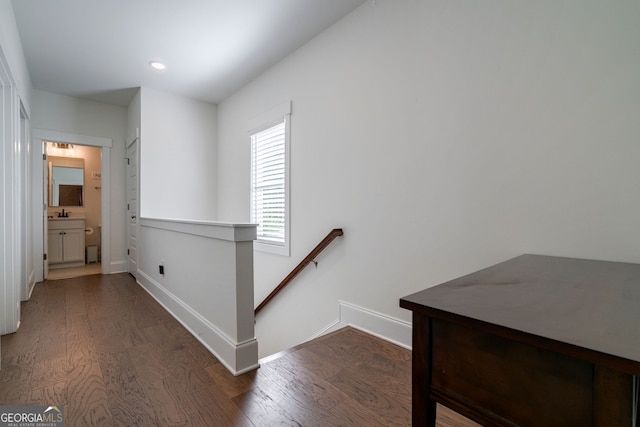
268 178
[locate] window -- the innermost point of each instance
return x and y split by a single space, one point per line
270 180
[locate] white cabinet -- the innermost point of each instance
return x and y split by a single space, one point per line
66 242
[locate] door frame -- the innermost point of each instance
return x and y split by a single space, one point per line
26 176
39 138
10 254
136 142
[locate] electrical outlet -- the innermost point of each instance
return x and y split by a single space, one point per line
161 268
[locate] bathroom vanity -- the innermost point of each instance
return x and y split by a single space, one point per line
66 242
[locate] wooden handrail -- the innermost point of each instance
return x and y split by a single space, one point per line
308 259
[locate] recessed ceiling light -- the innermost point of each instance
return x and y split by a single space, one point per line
157 65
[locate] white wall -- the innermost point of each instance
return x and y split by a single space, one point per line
444 137
84 117
12 49
178 160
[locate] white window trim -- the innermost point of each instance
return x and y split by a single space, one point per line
260 123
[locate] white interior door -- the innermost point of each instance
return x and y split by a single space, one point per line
45 204
132 206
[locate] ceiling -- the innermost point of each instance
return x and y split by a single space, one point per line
101 49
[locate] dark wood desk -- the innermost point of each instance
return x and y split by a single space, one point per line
533 341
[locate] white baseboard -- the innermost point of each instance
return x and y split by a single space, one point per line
32 283
238 357
329 328
377 324
119 267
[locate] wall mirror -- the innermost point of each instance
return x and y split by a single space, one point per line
66 181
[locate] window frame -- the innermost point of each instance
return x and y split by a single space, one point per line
271 118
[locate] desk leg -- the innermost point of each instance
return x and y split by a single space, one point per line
612 398
423 408
636 397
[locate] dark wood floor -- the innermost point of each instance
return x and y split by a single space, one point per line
105 350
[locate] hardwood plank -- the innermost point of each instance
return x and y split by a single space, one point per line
88 403
383 404
143 314
214 409
149 363
26 342
305 382
178 346
50 394
167 403
52 344
307 359
231 385
175 405
262 410
31 311
49 371
295 400
353 413
17 368
74 300
194 377
115 334
14 392
127 400
394 389
80 343
448 418
200 356
55 295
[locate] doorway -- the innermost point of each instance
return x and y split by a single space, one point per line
39 139
74 189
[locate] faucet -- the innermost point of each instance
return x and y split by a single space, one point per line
63 214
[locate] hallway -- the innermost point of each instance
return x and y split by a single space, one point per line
105 350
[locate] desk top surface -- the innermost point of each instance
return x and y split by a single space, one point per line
594 305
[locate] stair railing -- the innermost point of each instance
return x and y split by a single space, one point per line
311 258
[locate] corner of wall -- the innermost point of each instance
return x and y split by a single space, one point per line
388 328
